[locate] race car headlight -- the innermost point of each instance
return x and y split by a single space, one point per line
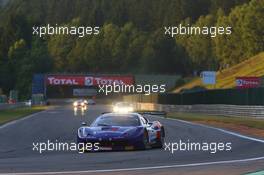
82 133
123 109
75 104
115 109
130 109
82 103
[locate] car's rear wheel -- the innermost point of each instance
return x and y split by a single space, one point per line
161 140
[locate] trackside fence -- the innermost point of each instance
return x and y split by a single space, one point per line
4 106
230 102
253 96
224 110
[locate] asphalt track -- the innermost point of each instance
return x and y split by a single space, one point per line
60 123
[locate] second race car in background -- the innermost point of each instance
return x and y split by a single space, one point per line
90 102
123 107
80 104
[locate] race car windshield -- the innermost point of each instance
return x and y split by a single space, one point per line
117 121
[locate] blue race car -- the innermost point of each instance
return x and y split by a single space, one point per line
117 131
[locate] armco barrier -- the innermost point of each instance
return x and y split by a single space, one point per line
251 96
12 106
215 109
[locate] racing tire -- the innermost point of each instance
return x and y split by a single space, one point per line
161 141
145 140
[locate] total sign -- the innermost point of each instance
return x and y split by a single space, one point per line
64 80
95 81
248 82
88 80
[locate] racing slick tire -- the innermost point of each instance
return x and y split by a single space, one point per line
145 140
161 141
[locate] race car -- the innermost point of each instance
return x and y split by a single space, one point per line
90 102
82 104
123 107
117 131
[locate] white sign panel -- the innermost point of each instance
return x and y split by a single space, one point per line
209 77
84 92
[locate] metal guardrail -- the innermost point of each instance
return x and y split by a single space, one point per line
219 109
12 106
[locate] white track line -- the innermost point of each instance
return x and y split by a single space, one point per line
225 131
19 120
221 130
140 168
161 167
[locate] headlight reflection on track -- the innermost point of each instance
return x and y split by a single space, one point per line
80 112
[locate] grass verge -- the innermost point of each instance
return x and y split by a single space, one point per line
245 125
13 114
253 66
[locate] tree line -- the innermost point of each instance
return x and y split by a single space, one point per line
131 38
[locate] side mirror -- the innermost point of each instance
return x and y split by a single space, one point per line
84 124
150 123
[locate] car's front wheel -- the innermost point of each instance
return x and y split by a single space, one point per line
145 140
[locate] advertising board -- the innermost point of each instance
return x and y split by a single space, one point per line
82 80
248 82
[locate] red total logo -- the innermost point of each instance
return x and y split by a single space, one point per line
95 81
107 81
